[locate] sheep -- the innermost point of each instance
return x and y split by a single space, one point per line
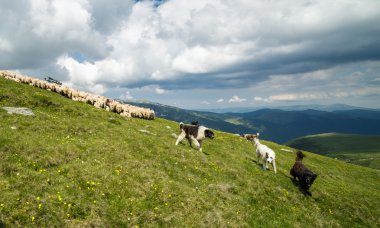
265 154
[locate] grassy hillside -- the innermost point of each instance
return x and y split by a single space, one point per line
358 149
74 165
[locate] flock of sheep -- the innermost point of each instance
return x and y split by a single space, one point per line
95 100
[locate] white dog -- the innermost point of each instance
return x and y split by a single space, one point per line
265 154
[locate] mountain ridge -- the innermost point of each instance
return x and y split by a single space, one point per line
328 108
275 124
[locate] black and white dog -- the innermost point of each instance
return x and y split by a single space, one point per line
195 134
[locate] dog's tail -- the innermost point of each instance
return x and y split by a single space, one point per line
195 123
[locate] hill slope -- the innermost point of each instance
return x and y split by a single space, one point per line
74 165
358 149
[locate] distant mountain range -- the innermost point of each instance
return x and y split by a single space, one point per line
279 125
327 108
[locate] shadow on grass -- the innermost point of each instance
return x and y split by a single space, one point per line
253 160
261 166
2 225
205 153
297 184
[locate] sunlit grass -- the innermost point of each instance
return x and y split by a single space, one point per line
74 165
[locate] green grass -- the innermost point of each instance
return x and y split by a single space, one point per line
74 165
236 121
362 150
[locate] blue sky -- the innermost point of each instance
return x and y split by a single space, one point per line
200 53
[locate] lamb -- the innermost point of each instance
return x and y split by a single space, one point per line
265 154
305 177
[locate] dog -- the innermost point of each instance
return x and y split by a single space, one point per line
195 134
249 137
305 176
264 153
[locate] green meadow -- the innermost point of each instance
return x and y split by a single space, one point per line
73 165
362 150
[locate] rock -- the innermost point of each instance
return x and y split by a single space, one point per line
19 110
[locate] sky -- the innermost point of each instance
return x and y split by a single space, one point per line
200 54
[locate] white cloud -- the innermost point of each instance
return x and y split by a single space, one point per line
205 102
158 90
126 96
321 96
236 99
296 97
5 45
221 100
60 19
260 99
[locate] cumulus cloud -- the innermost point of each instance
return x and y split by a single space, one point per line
126 96
221 100
159 90
296 97
201 44
236 99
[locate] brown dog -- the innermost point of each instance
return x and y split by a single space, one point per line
305 177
